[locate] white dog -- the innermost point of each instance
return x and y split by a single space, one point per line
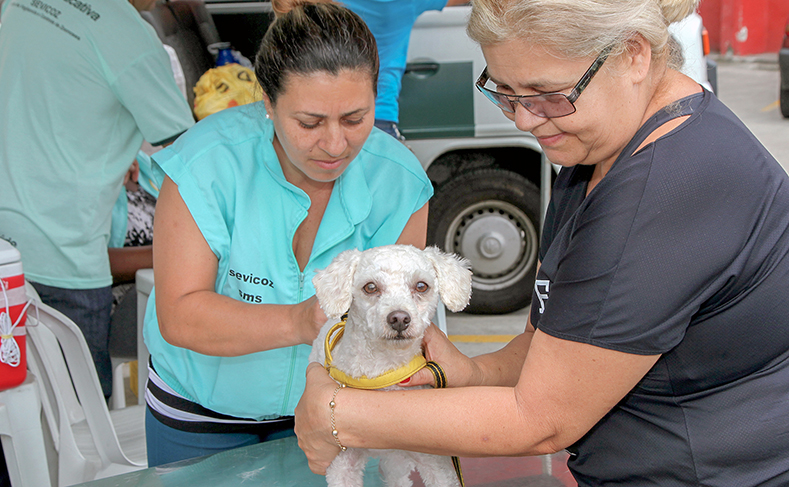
390 294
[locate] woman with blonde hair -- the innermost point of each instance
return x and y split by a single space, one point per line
657 348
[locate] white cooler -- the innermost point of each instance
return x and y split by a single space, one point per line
13 301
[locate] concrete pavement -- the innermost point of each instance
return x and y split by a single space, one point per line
749 85
478 334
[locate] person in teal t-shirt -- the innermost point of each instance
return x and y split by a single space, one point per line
81 85
254 199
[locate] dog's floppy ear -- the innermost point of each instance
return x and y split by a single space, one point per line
454 278
333 284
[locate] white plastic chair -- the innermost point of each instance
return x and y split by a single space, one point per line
119 366
88 440
22 435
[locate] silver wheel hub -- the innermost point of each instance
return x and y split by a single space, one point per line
498 238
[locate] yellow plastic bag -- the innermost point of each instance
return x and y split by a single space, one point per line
223 87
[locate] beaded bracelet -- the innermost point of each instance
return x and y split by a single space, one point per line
332 404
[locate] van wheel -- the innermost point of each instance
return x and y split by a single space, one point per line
491 217
785 103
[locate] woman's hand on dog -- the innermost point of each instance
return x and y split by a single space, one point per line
309 320
461 371
313 419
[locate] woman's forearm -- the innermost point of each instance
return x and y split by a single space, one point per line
474 421
213 324
126 261
503 367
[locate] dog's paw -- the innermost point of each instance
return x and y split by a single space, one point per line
347 469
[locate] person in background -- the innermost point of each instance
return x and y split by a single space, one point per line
80 88
131 249
391 22
255 199
131 232
657 348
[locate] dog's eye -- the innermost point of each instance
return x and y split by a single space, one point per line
421 287
370 288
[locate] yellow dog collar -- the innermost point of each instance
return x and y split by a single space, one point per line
386 379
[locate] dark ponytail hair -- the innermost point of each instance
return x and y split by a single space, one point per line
312 38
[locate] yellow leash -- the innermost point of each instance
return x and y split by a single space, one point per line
441 383
386 379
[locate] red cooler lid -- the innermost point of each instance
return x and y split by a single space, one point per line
8 253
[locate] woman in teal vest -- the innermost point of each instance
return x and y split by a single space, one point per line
255 199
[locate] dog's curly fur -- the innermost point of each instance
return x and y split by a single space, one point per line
390 294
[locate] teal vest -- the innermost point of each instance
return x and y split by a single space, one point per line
230 179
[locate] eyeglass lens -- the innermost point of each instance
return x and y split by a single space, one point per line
548 105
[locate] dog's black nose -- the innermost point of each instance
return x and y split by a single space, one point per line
398 320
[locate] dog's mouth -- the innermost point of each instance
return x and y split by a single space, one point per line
400 336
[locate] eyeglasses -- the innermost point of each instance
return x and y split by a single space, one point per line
547 105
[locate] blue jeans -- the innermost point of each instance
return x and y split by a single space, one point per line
390 128
90 310
168 445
